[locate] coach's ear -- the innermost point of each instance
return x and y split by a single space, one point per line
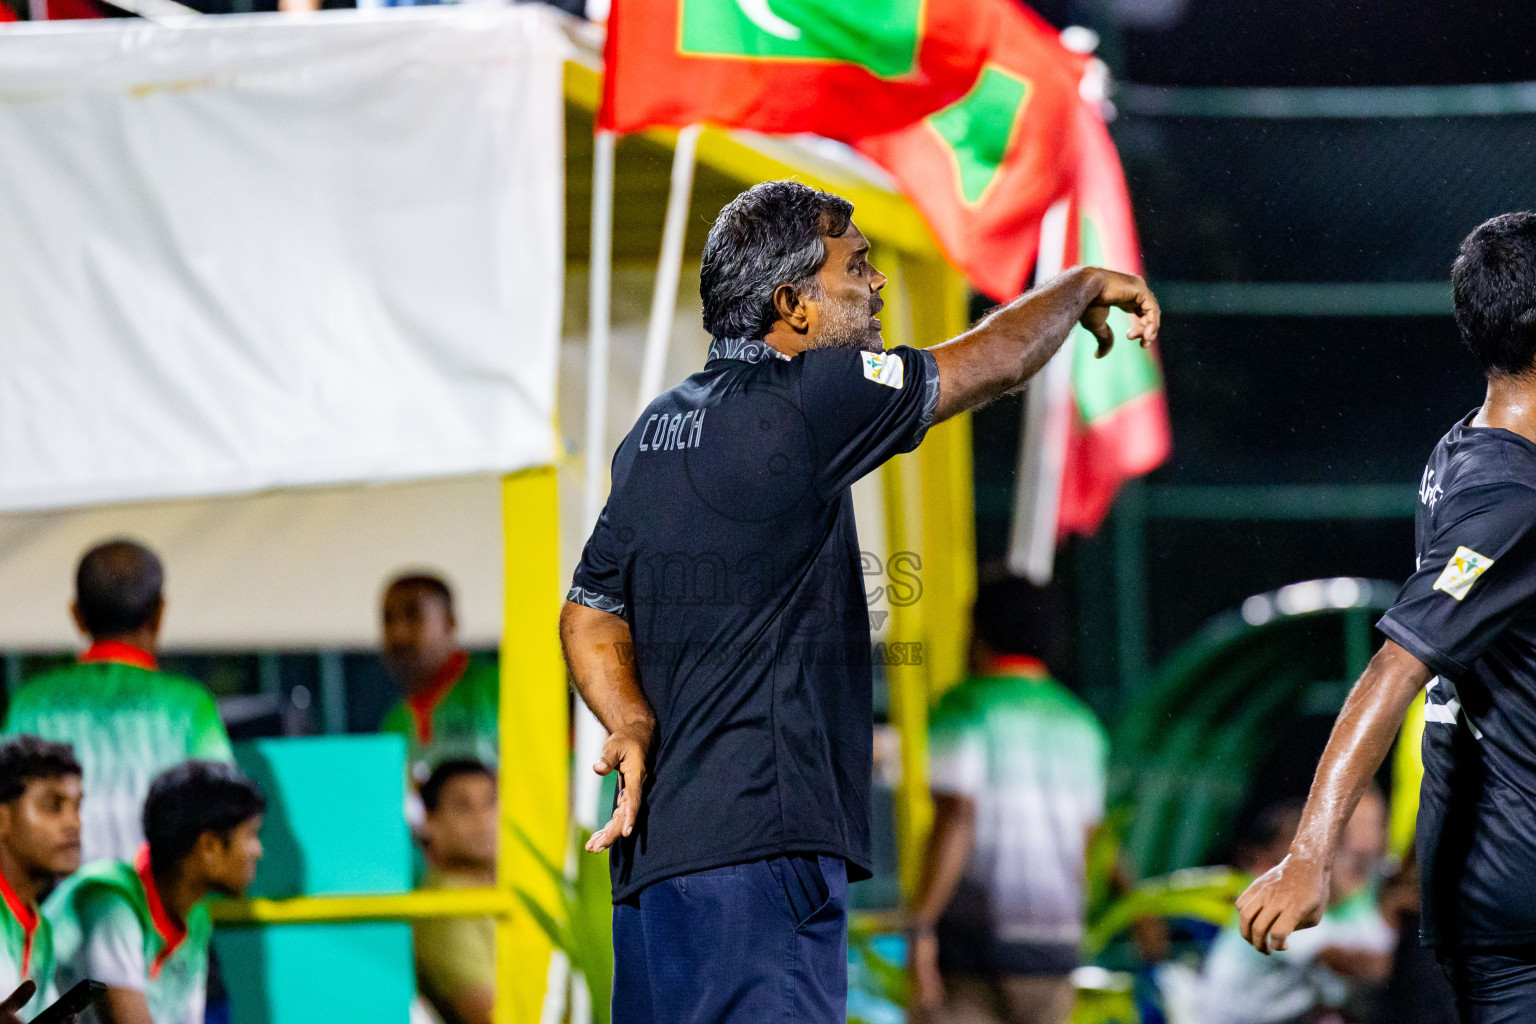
793 308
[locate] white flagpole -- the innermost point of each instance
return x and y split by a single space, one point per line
658 334
1047 423
590 734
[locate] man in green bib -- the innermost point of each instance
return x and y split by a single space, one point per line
142 928
39 844
1017 769
126 720
450 701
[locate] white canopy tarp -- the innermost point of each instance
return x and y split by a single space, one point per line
262 251
296 568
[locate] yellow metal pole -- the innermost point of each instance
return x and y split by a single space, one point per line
403 906
929 515
907 678
535 758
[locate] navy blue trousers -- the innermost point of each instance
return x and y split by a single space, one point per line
1493 986
754 943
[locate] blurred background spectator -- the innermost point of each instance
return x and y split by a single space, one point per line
39 844
1017 767
125 719
456 956
1335 971
450 700
142 927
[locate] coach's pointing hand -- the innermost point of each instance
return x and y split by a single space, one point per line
1293 894
1015 341
1122 291
624 751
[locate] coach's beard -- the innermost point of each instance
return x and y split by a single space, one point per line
851 325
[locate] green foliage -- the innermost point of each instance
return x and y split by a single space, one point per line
1094 1007
582 926
1206 894
886 980
1102 855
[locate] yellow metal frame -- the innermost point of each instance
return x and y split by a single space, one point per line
929 512
533 781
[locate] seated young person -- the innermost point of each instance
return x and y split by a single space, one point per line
39 844
456 956
143 928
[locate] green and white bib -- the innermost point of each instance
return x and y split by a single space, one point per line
26 950
1033 758
109 924
127 722
454 716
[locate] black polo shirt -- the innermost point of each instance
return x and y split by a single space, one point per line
1469 613
728 545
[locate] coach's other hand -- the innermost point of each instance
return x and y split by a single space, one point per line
1290 895
624 751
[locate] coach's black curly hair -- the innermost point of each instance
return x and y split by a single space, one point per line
767 236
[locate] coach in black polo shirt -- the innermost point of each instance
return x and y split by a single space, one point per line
717 624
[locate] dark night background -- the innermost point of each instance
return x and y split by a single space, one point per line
1289 399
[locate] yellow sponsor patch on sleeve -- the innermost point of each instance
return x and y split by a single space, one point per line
885 368
1462 571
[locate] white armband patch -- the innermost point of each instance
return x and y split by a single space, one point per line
1462 571
885 368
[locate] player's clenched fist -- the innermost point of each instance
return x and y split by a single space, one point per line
1290 895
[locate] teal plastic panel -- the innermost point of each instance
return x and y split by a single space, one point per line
335 824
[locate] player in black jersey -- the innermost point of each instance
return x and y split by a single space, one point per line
1463 630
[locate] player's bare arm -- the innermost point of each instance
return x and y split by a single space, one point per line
1013 342
599 654
1294 893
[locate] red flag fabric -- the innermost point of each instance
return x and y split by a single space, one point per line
1119 419
984 170
843 70
72 10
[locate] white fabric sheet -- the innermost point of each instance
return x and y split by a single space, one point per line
261 251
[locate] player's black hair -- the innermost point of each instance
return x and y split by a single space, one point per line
117 587
767 236
24 759
431 583
1494 284
194 797
432 789
1013 616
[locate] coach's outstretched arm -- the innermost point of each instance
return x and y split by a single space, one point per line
1294 893
1014 341
599 653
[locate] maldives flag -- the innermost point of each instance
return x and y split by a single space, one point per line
1119 422
842 70
984 170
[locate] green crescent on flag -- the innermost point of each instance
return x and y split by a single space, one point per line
880 35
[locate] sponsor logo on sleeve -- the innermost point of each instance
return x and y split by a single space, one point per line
1429 491
1462 571
885 368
